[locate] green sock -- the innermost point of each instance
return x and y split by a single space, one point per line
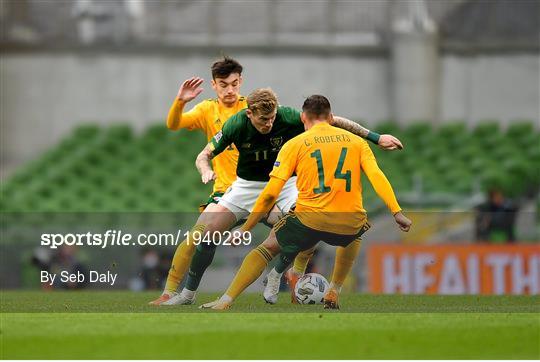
204 254
285 259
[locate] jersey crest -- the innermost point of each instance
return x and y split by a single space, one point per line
276 142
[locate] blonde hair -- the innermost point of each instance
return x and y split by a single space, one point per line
262 100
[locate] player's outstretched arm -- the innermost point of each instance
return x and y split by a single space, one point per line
385 141
204 164
264 203
188 91
383 188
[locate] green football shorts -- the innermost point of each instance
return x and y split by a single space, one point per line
212 199
294 237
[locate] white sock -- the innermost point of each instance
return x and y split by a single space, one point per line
225 298
274 274
188 294
335 286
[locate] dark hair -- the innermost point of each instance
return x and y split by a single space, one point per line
225 67
317 106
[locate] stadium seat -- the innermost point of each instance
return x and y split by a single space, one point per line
388 127
452 130
520 128
486 128
113 169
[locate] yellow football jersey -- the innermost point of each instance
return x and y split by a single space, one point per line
328 161
209 116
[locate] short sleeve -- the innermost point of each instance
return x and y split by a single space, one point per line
286 161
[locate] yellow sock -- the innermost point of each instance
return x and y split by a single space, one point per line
252 267
344 261
302 260
181 260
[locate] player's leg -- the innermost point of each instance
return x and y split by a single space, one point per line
180 263
344 261
183 254
234 205
240 198
216 221
203 257
284 204
212 217
301 261
298 269
293 237
273 278
252 267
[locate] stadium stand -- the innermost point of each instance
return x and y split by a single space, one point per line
111 169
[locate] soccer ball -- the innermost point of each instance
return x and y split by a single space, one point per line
311 288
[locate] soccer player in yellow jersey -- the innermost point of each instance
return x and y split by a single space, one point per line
209 116
328 162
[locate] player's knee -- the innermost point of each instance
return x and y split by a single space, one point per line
272 245
218 219
274 215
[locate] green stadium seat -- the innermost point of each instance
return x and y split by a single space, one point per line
86 132
157 132
418 128
496 179
417 135
520 128
534 153
388 127
444 165
120 132
518 167
468 151
486 128
452 130
111 169
432 183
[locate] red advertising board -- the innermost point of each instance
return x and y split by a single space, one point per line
454 269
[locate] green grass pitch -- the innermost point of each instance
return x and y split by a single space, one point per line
76 325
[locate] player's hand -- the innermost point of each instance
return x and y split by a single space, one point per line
403 222
389 143
190 89
208 176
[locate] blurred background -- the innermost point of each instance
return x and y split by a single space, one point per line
86 86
